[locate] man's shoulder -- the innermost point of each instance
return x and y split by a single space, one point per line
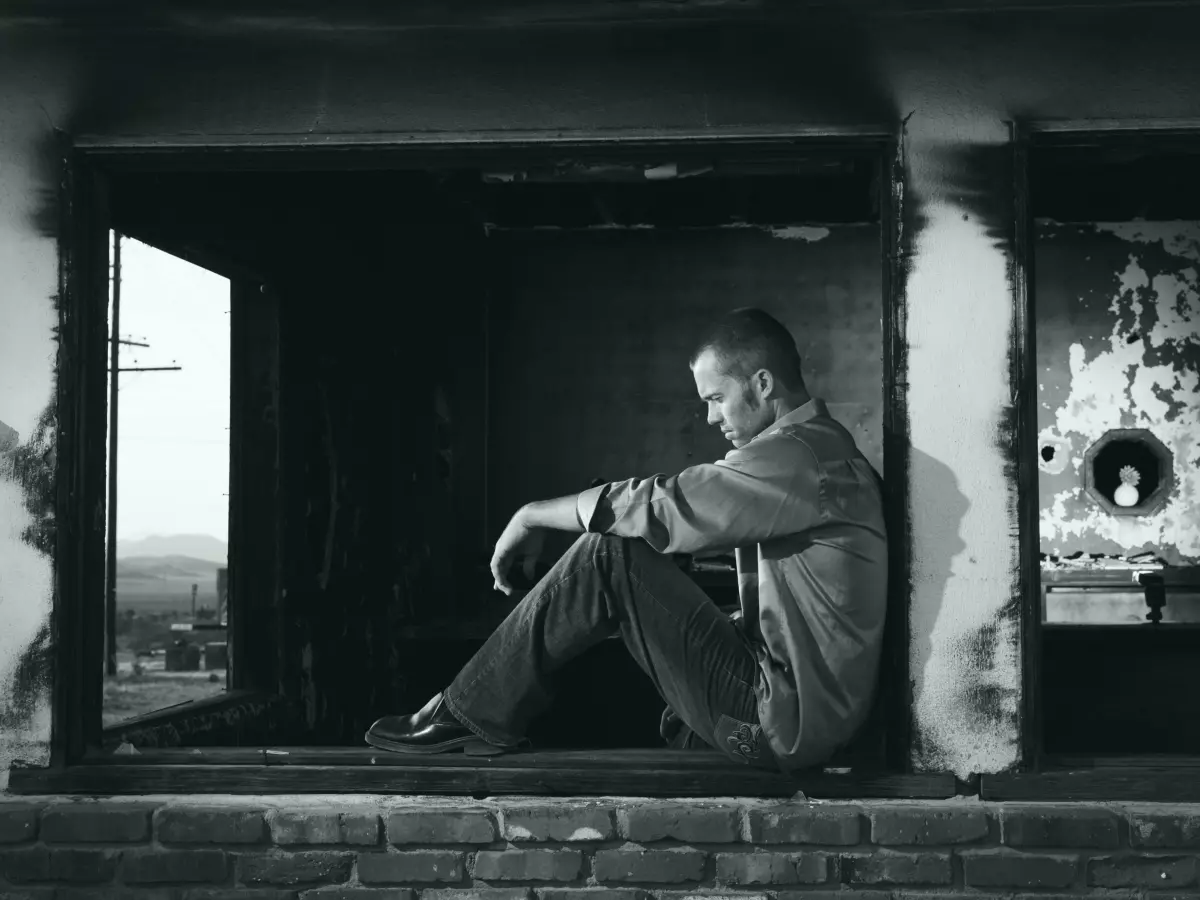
823 436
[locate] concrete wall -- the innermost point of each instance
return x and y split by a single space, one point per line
954 78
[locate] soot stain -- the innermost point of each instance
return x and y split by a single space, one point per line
31 466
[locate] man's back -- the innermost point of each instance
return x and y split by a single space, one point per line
815 600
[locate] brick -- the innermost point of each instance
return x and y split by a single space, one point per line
580 894
1061 827
1002 868
558 823
896 867
91 823
289 828
803 824
410 865
927 827
26 864
521 893
306 867
1167 831
694 824
17 823
58 864
659 866
847 895
414 826
1142 872
108 892
528 865
154 866
28 893
83 866
347 892
772 868
209 826
240 893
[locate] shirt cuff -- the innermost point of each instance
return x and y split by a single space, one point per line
585 505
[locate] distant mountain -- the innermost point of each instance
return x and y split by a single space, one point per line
168 567
193 546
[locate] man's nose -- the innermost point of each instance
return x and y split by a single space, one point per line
714 417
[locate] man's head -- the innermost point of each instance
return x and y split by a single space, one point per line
747 370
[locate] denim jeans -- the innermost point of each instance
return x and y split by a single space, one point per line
702 664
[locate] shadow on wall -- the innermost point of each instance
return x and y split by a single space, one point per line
956 693
31 466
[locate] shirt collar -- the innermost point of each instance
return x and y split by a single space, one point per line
810 410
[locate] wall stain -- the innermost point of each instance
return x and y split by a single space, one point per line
30 465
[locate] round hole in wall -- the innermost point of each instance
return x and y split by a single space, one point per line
1119 456
1129 472
1048 453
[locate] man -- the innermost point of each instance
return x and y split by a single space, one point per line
798 505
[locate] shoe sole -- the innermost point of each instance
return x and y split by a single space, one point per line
469 746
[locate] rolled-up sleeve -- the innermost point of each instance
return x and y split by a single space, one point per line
768 489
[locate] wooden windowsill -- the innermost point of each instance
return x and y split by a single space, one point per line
270 770
1148 779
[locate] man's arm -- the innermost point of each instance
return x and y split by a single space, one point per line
525 533
763 491
560 514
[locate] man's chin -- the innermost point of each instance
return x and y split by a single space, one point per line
738 444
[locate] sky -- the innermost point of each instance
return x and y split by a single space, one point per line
173 437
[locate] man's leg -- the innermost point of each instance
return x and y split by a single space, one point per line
699 661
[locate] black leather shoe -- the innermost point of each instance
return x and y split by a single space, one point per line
432 730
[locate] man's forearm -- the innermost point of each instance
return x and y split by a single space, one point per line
560 514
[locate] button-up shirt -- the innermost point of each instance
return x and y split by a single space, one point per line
802 511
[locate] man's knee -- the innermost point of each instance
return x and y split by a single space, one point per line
598 546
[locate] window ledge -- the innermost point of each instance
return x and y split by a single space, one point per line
301 770
1140 779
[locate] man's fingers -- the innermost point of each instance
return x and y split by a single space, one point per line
499 567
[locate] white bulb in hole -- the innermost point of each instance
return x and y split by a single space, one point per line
1127 493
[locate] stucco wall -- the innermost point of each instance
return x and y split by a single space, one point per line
959 77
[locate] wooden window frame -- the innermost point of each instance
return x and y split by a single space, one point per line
1042 776
79 765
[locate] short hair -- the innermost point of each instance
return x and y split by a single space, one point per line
746 340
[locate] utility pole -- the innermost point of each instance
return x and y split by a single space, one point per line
110 586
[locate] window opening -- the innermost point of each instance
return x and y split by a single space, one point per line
1118 344
166 616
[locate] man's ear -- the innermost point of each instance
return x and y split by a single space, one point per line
766 383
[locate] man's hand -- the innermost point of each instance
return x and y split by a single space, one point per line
520 539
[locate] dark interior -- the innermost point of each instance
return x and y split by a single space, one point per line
1117 690
418 352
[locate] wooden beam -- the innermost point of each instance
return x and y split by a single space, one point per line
647 773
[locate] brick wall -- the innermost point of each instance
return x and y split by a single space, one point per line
358 848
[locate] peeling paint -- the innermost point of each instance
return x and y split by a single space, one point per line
1125 354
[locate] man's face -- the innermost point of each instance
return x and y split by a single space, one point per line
734 405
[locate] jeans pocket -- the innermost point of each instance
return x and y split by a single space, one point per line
742 741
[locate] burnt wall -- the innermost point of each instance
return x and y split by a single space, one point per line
960 76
